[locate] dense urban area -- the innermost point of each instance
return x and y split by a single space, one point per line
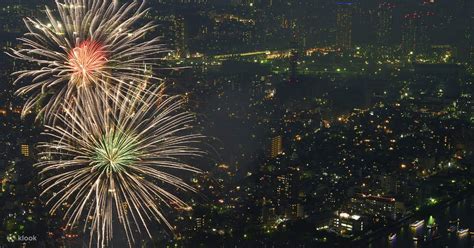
328 123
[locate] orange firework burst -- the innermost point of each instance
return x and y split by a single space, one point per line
85 61
83 47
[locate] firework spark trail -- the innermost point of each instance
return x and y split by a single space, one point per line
107 157
89 46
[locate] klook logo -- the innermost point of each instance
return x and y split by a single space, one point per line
23 238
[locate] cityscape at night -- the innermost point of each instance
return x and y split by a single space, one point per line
237 123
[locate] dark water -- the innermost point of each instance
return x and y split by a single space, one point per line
464 210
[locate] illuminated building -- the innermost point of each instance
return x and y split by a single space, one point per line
376 207
180 39
25 150
199 223
344 25
415 31
384 24
347 224
283 187
467 42
276 146
297 210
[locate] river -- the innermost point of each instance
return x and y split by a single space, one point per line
462 210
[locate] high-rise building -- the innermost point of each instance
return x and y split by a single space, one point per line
297 210
200 222
467 42
344 25
276 147
180 39
25 150
283 189
375 206
415 31
384 23
347 224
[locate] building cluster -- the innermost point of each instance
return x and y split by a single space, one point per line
216 27
326 119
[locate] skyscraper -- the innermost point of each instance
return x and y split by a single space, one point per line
415 31
276 146
180 39
467 46
25 150
344 25
384 23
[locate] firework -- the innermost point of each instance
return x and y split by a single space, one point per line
116 159
88 45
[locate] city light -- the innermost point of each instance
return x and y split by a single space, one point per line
327 123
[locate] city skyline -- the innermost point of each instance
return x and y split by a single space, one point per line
327 124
